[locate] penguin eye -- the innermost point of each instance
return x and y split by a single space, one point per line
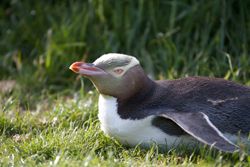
118 71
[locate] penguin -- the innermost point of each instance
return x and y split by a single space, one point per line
135 109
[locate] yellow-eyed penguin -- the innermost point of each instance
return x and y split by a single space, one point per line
137 110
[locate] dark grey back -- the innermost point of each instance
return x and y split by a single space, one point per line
227 104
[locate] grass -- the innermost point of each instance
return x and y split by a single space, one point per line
46 121
67 133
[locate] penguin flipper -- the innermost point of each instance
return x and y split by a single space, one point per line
200 127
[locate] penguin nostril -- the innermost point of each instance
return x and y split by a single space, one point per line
90 64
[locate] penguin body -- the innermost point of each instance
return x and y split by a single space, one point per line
137 110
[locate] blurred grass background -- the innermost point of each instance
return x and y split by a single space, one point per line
45 120
40 39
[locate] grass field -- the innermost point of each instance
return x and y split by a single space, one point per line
48 115
67 133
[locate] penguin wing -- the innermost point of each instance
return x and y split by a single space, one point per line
199 126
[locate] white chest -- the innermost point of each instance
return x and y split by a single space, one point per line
131 132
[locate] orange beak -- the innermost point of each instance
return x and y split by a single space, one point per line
86 69
76 66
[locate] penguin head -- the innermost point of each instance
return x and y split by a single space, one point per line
113 74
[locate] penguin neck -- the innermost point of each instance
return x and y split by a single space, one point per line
130 108
144 90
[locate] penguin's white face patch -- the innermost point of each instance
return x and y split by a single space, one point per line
116 64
